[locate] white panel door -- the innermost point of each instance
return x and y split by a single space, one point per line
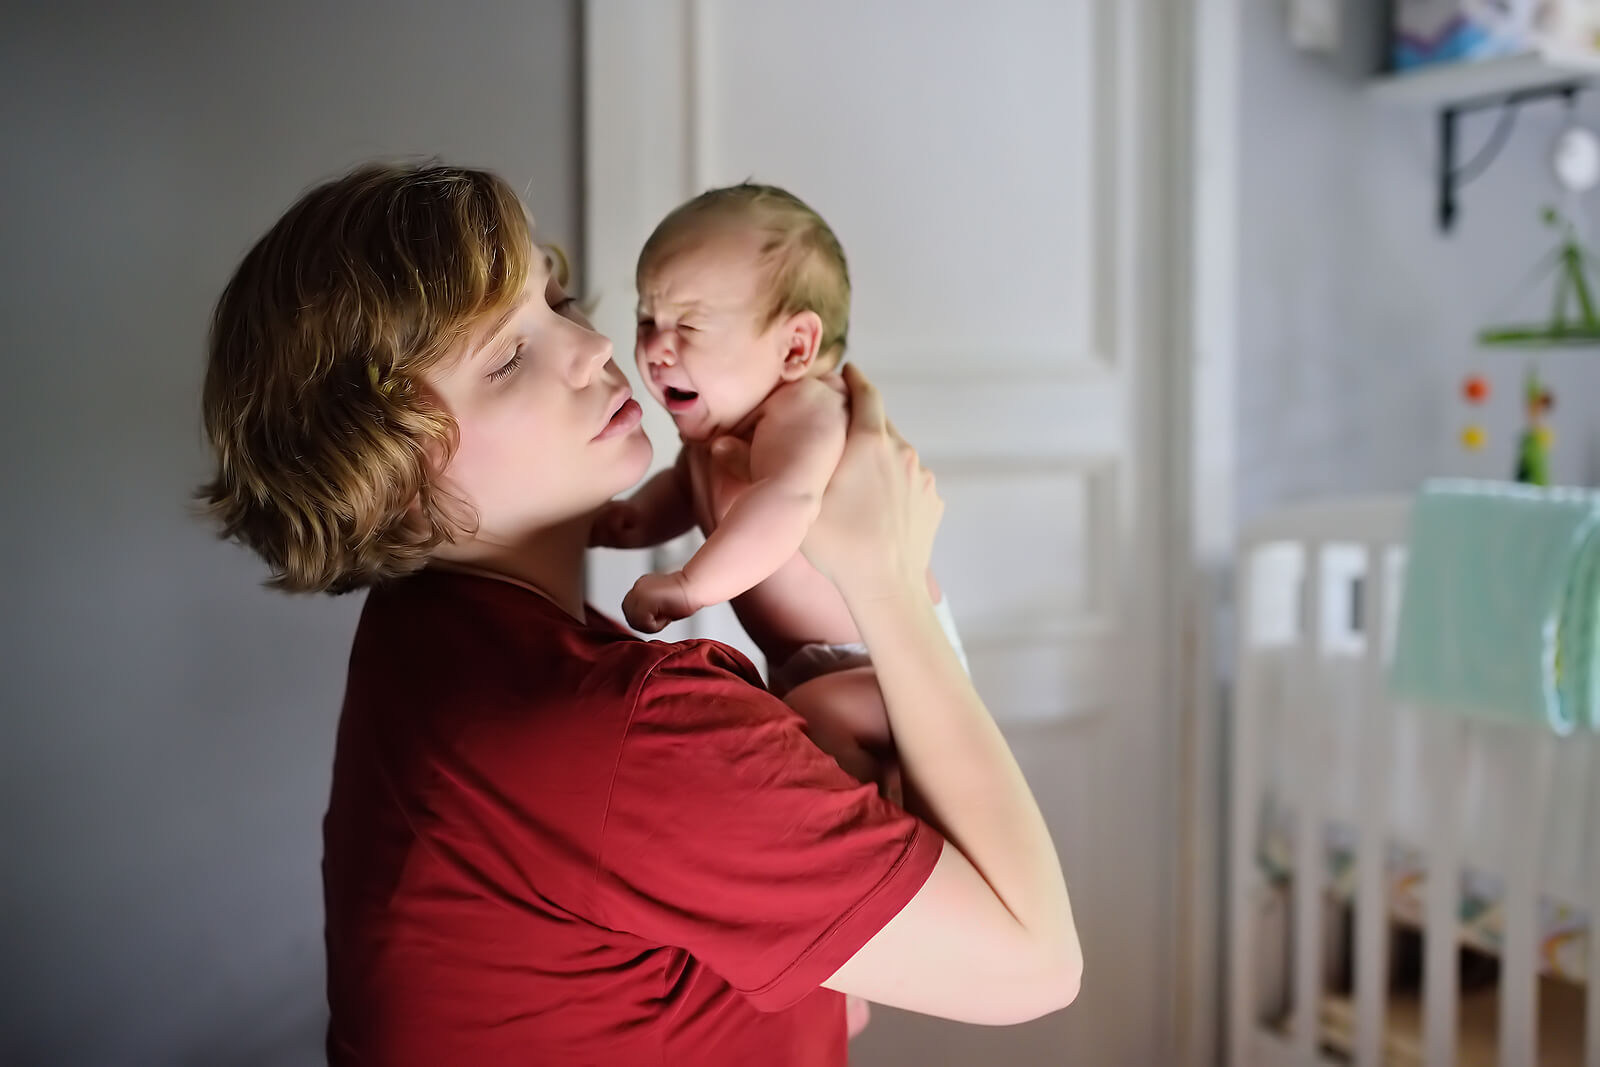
995 172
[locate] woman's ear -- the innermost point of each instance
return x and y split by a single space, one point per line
801 338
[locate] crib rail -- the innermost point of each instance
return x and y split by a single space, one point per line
1323 580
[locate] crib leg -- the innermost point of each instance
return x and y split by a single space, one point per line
1440 980
1372 899
1591 1018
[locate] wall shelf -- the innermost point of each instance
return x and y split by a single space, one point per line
1505 84
1454 83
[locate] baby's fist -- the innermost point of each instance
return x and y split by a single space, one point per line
656 600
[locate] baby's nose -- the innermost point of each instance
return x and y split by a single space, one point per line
658 348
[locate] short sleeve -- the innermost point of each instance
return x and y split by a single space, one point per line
729 835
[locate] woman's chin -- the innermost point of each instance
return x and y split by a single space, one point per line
634 463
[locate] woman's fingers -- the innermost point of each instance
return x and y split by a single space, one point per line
907 453
866 403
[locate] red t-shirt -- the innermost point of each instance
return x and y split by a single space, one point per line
551 842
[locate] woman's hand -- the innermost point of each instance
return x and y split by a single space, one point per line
881 509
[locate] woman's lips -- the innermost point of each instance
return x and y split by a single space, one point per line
623 420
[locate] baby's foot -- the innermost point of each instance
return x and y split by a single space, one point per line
856 1015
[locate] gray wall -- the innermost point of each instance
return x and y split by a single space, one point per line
1358 315
168 724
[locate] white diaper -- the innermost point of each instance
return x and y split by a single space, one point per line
814 661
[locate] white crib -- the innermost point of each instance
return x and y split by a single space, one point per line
1462 849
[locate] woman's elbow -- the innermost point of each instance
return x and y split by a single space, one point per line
1065 979
1053 986
1070 980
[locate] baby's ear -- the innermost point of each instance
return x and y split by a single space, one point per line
802 339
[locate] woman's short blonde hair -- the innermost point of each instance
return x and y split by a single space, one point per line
806 268
325 441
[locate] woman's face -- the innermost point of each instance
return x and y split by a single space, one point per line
548 429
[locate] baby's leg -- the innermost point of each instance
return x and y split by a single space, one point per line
845 718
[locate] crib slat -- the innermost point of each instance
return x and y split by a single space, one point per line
1519 991
1372 904
1442 857
1591 1018
1245 796
1307 725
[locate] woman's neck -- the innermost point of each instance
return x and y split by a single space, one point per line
549 562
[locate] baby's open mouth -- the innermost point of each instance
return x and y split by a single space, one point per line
680 396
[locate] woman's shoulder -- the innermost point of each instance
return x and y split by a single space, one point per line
701 714
699 662
489 652
702 683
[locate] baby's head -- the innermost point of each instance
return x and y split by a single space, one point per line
740 289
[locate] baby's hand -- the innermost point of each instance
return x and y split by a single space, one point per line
657 599
619 525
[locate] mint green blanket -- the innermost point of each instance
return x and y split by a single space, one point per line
1500 602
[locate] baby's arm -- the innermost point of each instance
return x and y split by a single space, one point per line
793 451
660 511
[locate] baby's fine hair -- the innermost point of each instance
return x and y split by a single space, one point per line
325 442
806 268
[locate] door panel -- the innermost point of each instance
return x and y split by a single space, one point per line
993 171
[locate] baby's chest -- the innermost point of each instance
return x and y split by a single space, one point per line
712 490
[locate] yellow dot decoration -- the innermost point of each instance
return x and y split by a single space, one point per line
1473 438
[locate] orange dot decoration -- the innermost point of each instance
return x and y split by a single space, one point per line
1475 389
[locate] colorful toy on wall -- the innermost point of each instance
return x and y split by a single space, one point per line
1533 447
1533 442
1475 390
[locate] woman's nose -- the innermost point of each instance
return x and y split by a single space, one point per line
592 353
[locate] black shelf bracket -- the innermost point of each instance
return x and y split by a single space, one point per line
1453 178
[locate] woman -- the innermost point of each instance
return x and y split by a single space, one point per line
549 841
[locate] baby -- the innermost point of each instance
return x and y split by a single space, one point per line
744 306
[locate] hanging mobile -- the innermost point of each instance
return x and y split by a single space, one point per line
1574 317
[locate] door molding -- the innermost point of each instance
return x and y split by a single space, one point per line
642 157
645 152
1204 55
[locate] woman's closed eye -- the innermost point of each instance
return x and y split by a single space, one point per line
505 369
